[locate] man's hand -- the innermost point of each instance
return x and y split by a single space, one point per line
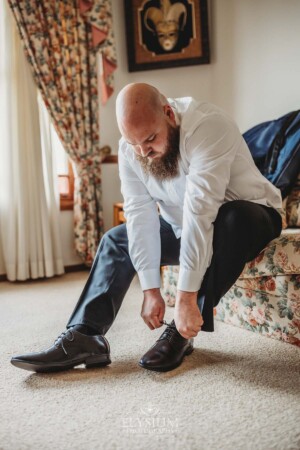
153 309
187 316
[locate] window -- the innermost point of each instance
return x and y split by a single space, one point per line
62 164
65 172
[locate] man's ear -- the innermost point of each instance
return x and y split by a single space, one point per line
168 111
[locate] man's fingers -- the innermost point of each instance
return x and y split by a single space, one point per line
160 318
187 334
161 314
155 322
150 326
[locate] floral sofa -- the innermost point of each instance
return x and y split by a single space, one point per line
266 297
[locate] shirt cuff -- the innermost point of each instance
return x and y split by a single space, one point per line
189 280
149 279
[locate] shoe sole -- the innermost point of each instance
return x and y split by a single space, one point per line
188 351
90 362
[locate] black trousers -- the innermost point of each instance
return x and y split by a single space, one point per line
241 231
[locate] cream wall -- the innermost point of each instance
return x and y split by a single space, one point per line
255 65
2 269
254 75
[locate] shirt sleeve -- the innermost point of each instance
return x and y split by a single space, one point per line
143 226
211 150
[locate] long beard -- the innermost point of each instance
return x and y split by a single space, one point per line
165 167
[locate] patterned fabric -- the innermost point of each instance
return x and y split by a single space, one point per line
266 296
282 212
268 285
281 256
61 42
99 15
273 314
293 206
169 283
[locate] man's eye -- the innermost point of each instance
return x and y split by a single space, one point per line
151 139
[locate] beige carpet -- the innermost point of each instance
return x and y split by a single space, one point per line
238 390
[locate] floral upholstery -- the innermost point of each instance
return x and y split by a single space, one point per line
281 256
169 283
266 296
293 206
270 306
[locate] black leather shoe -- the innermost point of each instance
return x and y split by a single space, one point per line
168 351
70 349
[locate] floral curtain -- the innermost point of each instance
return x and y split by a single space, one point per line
61 41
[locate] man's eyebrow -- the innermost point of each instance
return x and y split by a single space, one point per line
147 139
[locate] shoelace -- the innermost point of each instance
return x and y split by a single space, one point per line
170 332
62 336
168 324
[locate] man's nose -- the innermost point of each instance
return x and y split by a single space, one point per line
144 149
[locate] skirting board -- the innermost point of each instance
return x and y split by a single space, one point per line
68 269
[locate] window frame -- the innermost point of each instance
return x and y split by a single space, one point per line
67 200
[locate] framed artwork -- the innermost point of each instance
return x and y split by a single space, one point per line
166 33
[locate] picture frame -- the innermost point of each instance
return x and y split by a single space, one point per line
166 33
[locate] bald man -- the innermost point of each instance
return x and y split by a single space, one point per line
216 212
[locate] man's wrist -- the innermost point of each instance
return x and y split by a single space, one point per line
185 296
152 290
152 293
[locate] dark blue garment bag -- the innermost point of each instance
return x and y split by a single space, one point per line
275 147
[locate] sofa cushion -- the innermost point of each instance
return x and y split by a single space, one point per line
292 206
282 286
266 313
282 212
169 283
281 256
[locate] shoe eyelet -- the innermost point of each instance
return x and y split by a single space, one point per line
72 337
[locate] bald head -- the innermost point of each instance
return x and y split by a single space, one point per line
138 102
147 123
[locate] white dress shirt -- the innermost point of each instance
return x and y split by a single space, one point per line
215 166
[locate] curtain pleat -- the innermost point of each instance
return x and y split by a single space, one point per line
61 40
29 213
